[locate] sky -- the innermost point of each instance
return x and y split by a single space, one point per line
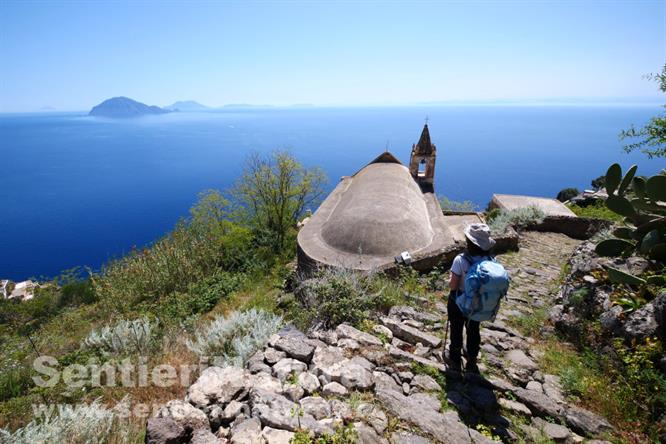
71 55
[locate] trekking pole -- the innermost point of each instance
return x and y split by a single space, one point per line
446 335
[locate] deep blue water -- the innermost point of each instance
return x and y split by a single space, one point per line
76 190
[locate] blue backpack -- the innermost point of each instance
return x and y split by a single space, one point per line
486 283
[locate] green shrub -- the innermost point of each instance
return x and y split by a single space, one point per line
26 316
343 435
596 211
234 339
14 382
337 295
200 297
447 204
567 193
531 323
520 217
637 397
194 250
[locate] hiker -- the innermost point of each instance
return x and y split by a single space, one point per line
477 284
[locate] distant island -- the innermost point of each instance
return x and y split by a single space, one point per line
124 107
187 105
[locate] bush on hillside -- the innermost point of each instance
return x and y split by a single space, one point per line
447 204
195 249
234 339
76 424
567 193
598 210
123 338
337 295
518 218
200 297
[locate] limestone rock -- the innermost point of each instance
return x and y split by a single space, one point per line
265 382
555 432
374 416
586 422
284 420
316 407
341 410
367 435
294 392
217 385
641 323
272 356
347 331
308 382
165 431
350 374
204 437
552 388
334 389
385 382
403 437
426 383
348 344
515 406
325 357
407 312
294 344
175 422
382 330
288 366
275 436
247 432
397 353
534 385
539 403
446 427
411 334
519 358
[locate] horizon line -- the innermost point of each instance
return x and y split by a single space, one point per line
571 101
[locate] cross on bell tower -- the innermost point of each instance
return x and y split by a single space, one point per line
422 160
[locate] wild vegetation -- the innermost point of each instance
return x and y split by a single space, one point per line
598 210
210 281
651 138
447 204
500 220
210 288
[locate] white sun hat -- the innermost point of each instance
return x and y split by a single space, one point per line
479 234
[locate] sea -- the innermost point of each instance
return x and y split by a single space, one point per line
80 191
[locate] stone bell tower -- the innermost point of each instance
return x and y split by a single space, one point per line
422 160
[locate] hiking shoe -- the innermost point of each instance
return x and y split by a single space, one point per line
454 365
471 368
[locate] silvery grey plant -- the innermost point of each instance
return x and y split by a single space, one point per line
80 424
124 337
234 339
519 217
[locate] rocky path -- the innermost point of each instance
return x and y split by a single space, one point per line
390 384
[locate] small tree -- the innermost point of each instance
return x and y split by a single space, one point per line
567 193
598 183
651 137
274 191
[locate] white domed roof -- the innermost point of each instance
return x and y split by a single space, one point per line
382 212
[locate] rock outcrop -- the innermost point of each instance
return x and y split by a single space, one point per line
313 382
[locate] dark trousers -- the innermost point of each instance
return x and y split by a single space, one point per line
457 321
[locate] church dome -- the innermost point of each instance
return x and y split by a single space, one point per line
382 212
